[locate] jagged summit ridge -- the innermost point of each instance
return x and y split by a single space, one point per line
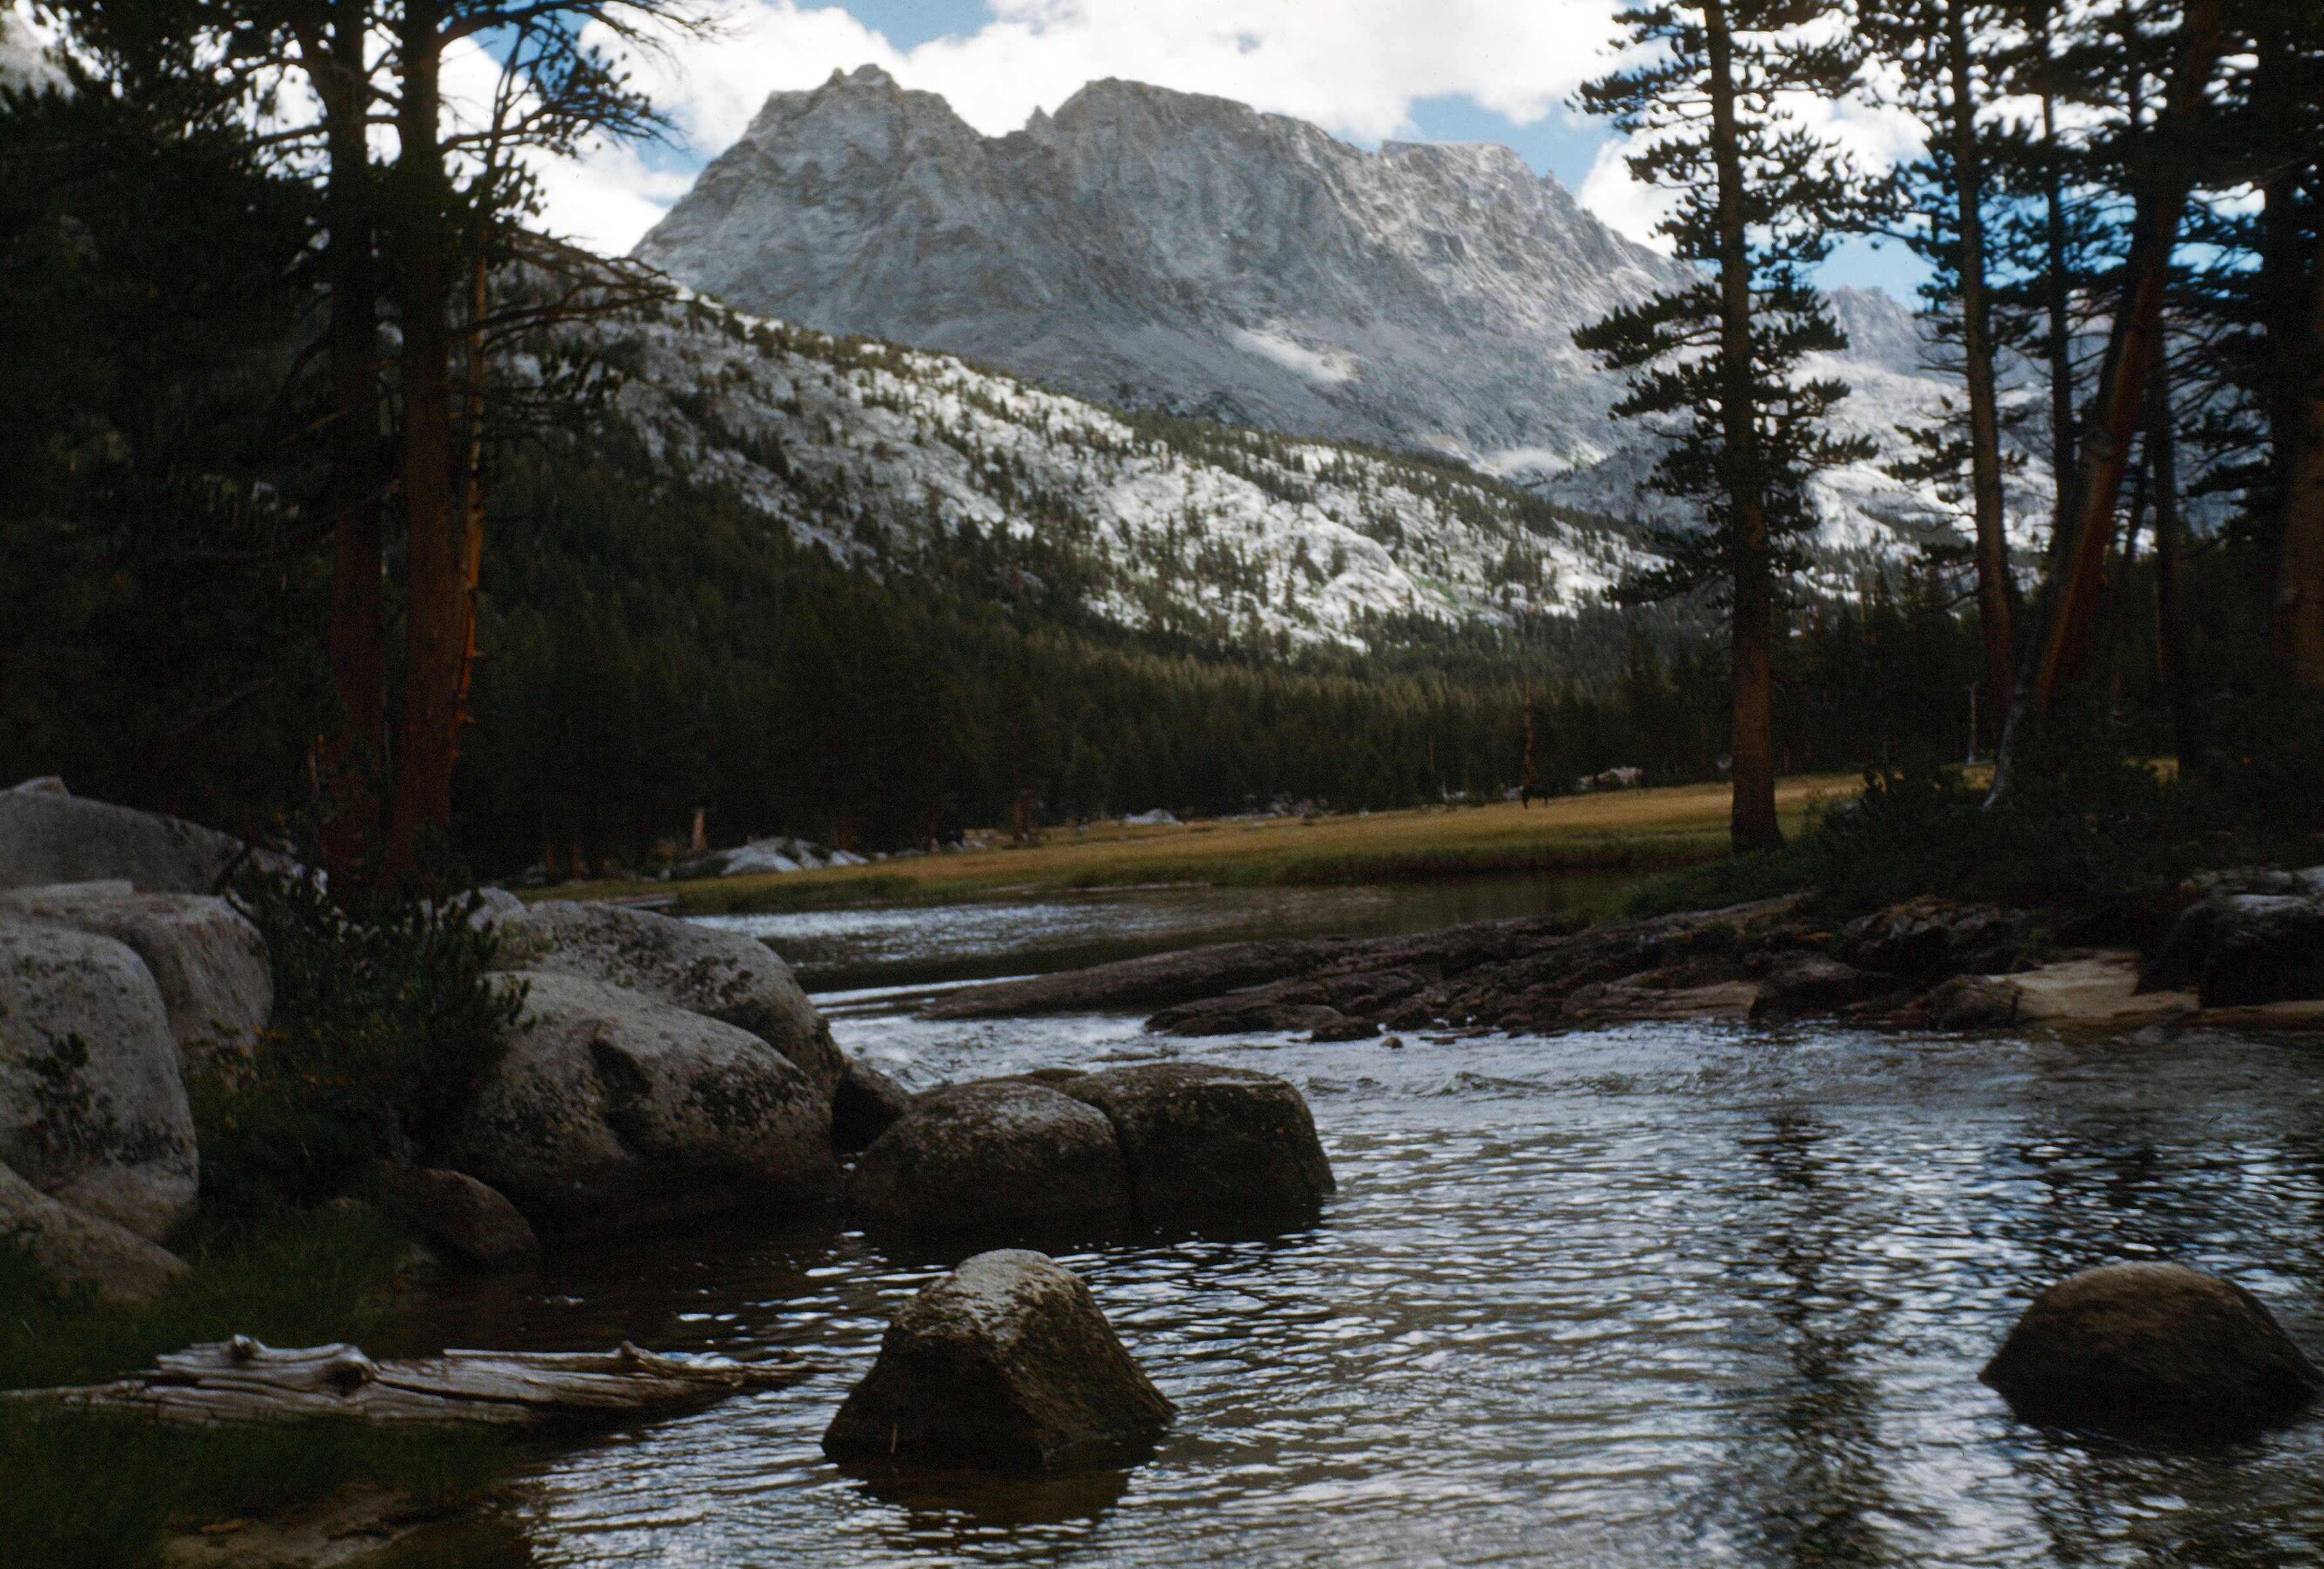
1155 248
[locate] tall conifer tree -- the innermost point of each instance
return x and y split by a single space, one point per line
1715 367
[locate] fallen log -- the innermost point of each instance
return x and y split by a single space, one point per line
241 1380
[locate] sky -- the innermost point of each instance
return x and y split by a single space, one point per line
1365 71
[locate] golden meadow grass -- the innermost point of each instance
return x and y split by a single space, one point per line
1619 830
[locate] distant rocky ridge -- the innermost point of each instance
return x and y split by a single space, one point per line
1160 249
1146 248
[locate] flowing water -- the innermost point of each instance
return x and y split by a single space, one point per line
1666 1294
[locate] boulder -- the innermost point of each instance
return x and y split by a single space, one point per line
1005 1364
47 835
1206 1144
2141 1344
612 1106
209 962
78 1248
720 975
996 1158
1927 940
865 1105
2242 950
92 1108
459 1214
1973 1003
1800 984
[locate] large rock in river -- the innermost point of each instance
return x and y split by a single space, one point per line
1003 1158
92 1108
209 962
1207 1144
48 835
725 975
1005 1364
2144 1344
612 1107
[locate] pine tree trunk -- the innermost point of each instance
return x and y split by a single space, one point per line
2296 619
2077 561
355 641
1977 370
2056 290
437 627
1752 821
2170 535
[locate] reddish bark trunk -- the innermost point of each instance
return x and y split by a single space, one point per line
1751 822
435 619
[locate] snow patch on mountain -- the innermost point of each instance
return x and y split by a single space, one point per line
1237 536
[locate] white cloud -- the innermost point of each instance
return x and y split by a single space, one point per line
1354 66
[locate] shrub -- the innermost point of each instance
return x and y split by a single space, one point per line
385 1027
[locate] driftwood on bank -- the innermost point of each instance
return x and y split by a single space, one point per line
241 1380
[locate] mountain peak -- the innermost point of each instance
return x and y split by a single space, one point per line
1148 246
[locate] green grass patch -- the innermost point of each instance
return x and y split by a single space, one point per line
77 1488
306 1280
89 1492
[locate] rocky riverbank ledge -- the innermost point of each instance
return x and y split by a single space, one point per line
2245 952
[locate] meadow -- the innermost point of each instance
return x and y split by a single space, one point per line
1642 830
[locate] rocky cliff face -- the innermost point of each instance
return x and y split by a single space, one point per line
1166 250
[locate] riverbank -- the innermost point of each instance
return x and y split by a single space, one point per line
1640 830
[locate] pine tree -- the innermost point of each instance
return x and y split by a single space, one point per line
1714 367
1948 87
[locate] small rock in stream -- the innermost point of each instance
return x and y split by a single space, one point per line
2150 1344
1005 1364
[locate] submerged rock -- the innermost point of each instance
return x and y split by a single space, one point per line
78 1248
459 1214
1005 1364
209 963
1206 1144
612 1107
723 975
997 1158
92 1108
2150 1344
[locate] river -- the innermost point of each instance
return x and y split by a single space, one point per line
1667 1295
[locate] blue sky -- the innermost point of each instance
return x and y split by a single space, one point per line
1495 70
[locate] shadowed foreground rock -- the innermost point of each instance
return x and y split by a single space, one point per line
999 1158
456 1211
84 1250
209 962
1206 1144
725 975
92 1108
1005 1364
2149 1345
866 1104
611 1108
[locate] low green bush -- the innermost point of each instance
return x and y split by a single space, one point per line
383 1029
2085 831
